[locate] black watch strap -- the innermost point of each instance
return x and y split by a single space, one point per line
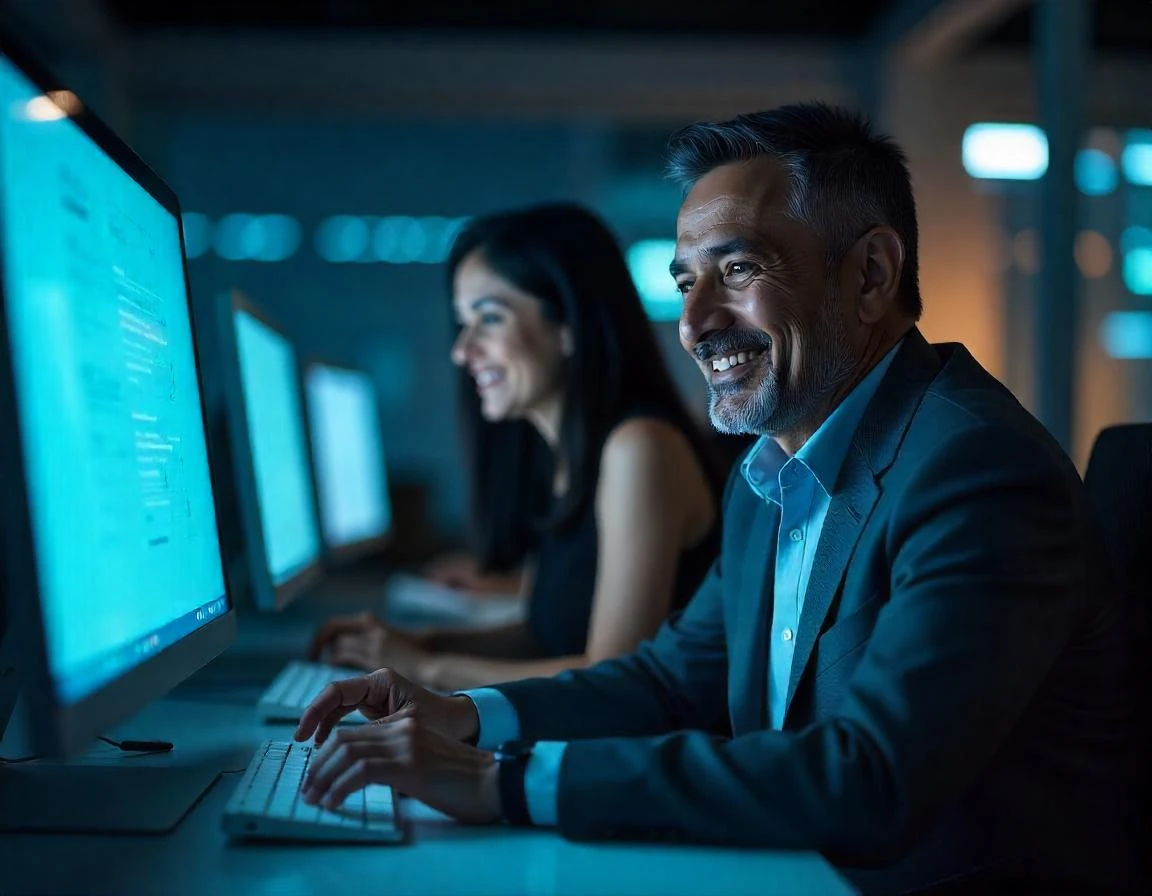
512 762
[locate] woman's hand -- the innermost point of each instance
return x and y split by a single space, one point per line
364 642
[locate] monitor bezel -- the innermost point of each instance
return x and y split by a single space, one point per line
266 595
58 727
341 556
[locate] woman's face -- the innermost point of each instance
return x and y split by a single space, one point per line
514 355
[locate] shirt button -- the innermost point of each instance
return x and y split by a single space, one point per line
796 534
786 634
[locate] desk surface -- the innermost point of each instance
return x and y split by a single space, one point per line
443 857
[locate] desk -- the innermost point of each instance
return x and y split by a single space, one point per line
443 857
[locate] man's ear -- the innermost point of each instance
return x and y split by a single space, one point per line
567 344
881 262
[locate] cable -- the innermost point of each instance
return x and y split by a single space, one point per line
140 746
6 761
128 746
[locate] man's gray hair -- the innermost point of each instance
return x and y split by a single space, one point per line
844 177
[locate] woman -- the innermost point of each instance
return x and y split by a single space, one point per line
585 469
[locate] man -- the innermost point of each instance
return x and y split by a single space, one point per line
907 626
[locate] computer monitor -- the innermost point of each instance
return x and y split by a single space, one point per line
348 461
270 456
112 561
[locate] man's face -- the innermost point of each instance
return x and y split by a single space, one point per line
762 317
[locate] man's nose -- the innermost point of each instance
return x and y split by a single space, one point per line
704 311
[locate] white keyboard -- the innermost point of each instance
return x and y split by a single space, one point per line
297 685
267 804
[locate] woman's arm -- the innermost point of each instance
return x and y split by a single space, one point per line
652 501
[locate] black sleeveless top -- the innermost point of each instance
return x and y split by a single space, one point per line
560 603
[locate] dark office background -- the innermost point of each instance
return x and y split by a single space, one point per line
325 152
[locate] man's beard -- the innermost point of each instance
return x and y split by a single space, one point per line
771 408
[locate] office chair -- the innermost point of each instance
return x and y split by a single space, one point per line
1119 484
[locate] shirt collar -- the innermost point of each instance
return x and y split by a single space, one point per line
823 454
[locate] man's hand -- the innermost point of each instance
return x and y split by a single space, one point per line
364 642
402 752
383 695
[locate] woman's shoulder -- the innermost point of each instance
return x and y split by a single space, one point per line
650 440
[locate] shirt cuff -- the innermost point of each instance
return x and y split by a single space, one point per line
498 719
542 781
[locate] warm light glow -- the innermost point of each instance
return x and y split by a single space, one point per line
1093 254
1005 151
53 106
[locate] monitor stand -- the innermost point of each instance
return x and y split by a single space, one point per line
105 791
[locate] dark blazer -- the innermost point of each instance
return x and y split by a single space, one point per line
957 708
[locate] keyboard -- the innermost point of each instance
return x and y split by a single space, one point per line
296 686
267 804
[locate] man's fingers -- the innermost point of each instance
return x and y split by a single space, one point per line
333 703
357 776
348 746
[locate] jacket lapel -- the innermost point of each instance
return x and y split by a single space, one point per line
874 447
850 507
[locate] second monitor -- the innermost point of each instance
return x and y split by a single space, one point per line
270 458
348 461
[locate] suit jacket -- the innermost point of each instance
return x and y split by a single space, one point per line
958 709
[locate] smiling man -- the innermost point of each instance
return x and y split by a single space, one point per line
908 628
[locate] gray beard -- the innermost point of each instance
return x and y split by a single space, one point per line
771 409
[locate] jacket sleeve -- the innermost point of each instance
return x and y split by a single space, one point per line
987 579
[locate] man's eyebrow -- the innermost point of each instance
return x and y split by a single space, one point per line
733 246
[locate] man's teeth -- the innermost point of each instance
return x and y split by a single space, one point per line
488 377
735 360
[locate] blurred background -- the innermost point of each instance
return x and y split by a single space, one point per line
326 153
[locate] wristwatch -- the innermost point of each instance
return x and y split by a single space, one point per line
512 760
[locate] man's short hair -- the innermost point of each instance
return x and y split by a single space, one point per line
845 177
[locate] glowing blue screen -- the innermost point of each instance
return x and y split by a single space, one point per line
275 413
348 451
121 505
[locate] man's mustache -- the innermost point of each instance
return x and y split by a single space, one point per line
729 342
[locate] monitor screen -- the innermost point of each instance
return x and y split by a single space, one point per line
120 503
274 411
348 453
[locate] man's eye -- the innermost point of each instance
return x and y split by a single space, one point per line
683 287
740 269
490 317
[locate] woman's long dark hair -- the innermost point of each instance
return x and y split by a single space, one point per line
565 257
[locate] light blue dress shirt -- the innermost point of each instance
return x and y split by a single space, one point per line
802 486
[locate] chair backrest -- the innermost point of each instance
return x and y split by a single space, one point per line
1119 483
